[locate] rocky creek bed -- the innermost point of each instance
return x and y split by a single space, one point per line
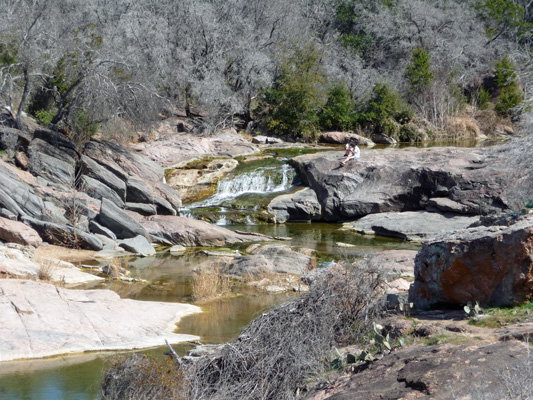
106 198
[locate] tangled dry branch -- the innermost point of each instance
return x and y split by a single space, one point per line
280 350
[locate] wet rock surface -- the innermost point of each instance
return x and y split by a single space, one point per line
268 259
196 183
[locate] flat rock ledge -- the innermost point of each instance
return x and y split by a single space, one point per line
40 320
413 226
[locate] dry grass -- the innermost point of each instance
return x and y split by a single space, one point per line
46 270
117 267
64 253
209 284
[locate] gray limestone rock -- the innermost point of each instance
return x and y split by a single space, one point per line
51 163
138 245
138 192
268 259
413 226
381 138
163 206
123 162
58 141
98 190
96 228
189 232
18 197
300 206
119 222
405 180
64 235
143 209
96 171
170 195
13 139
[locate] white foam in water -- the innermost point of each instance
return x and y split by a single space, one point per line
262 180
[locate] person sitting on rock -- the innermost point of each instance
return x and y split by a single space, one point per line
352 153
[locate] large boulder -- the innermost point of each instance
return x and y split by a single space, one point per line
64 235
59 141
98 190
405 179
138 245
17 232
189 232
492 265
40 320
172 196
17 196
270 259
118 221
345 137
381 138
300 206
51 163
416 226
123 162
94 170
478 370
138 192
12 139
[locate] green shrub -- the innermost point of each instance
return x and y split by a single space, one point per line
291 106
383 107
409 133
338 112
419 70
510 98
360 42
44 117
507 81
505 73
481 98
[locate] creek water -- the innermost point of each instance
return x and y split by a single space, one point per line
168 278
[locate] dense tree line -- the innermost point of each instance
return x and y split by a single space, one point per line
297 66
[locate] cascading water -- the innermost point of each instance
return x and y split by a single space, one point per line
263 180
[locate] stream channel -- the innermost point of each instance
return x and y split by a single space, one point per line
236 204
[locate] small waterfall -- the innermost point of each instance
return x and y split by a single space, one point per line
262 180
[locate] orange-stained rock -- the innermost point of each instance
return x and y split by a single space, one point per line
492 265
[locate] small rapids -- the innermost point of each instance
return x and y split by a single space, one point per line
262 180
